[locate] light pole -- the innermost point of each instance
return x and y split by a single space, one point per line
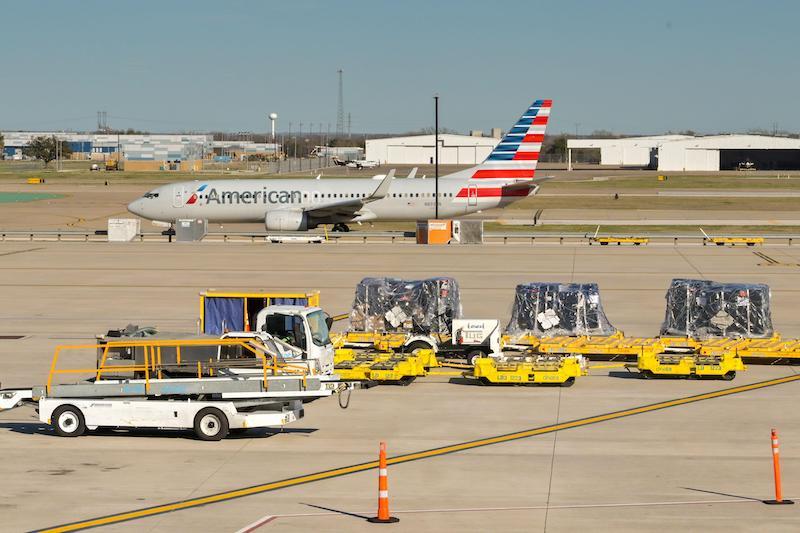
273 117
436 154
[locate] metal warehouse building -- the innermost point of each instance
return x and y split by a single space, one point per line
625 152
683 153
419 149
726 152
98 145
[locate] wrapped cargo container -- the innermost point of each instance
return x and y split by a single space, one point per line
546 309
705 309
395 305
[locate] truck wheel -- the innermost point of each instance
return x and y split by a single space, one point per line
728 376
416 346
210 424
473 356
68 421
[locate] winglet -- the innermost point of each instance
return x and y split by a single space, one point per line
383 189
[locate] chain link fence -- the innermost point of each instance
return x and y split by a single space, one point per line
284 166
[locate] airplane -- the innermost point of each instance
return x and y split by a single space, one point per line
355 163
506 176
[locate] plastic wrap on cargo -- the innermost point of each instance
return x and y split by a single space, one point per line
705 309
396 305
553 309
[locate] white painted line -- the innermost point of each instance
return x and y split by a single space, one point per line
257 524
267 519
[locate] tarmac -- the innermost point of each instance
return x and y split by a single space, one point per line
704 465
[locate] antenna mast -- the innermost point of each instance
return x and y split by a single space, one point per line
340 109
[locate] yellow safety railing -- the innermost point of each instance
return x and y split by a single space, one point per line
152 364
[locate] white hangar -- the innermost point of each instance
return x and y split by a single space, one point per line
681 153
419 149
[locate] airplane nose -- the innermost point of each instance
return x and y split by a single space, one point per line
136 207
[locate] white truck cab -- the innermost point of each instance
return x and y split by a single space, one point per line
307 328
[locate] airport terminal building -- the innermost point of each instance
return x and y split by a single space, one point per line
683 153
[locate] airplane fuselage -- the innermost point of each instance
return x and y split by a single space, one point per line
249 200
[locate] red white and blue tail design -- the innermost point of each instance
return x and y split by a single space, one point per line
516 155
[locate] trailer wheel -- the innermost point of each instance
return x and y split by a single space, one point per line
569 383
68 421
473 356
210 424
416 346
728 376
646 374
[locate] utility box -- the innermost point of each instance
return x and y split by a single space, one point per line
468 231
123 229
434 231
190 229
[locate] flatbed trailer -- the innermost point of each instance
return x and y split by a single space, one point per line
723 366
258 392
380 367
526 369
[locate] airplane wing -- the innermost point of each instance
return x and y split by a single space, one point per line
348 208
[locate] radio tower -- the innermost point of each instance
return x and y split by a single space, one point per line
340 109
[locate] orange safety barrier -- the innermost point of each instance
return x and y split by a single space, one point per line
383 491
776 470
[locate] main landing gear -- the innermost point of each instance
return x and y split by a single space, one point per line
341 227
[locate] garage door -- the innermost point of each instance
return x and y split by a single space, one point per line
408 155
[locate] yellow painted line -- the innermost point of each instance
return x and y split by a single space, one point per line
328 474
613 365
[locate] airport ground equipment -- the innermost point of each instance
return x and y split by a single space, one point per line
724 365
379 367
258 391
529 369
471 339
297 333
222 311
732 241
605 241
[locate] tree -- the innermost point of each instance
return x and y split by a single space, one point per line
2 143
46 148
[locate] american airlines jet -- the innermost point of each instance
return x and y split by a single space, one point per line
506 176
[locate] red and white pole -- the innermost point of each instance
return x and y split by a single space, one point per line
776 470
383 491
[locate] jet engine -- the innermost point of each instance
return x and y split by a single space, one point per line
285 220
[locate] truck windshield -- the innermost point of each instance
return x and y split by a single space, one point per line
319 328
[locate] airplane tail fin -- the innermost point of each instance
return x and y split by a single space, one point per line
516 155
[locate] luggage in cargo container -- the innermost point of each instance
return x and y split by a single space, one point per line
554 309
705 309
395 305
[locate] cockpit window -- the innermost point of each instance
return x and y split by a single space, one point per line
151 195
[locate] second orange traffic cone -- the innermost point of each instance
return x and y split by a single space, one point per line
383 491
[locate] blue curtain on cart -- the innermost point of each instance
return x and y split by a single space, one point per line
223 314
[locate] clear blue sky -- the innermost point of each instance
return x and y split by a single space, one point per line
626 66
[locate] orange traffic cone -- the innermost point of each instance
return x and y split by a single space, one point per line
383 491
776 470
